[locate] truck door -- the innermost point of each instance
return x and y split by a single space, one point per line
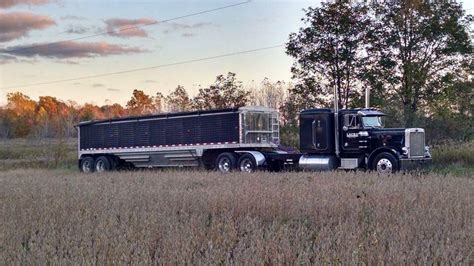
320 136
317 133
350 133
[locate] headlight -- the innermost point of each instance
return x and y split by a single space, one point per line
427 151
405 151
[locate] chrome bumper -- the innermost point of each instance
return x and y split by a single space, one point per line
414 163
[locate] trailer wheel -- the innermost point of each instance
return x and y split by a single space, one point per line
385 163
226 162
102 164
87 165
247 163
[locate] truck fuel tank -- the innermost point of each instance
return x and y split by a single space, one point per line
314 162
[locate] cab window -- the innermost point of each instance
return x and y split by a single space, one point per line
352 121
372 121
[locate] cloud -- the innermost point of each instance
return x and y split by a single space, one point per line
114 26
188 35
150 81
6 59
172 27
72 17
10 3
97 85
72 49
114 90
77 29
14 25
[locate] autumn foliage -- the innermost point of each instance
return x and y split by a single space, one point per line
51 117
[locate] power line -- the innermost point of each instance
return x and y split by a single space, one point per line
125 29
144 68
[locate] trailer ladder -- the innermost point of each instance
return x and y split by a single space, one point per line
275 129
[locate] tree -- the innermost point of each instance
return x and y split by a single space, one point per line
90 112
159 102
417 49
112 110
225 92
140 103
20 114
52 115
270 94
328 53
5 124
178 100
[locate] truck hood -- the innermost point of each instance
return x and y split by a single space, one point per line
386 131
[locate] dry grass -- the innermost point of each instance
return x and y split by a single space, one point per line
38 153
154 217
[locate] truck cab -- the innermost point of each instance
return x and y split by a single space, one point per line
356 138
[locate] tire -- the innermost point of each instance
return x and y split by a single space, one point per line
226 162
102 164
87 165
385 163
247 163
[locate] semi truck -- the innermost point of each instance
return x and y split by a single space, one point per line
247 139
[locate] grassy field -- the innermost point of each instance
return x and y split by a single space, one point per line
176 217
38 153
452 158
52 214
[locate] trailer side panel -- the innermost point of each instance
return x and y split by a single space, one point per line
160 131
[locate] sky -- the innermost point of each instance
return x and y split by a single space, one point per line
248 26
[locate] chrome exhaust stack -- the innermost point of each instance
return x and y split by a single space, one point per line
367 97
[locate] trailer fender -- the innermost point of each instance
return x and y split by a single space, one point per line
258 156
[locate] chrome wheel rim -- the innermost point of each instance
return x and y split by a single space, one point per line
100 167
246 166
384 166
224 165
86 167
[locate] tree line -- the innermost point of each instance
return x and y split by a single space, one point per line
415 56
51 117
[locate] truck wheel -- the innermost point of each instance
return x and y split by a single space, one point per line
226 162
102 164
385 163
87 165
247 163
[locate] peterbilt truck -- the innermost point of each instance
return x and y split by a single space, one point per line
247 139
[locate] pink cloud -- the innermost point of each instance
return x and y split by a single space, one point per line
10 3
114 26
72 49
14 25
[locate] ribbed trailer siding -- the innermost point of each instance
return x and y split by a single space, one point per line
190 128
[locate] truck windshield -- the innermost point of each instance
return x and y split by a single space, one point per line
372 121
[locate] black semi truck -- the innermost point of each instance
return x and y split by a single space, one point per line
247 138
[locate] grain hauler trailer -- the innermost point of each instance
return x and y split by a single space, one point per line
243 138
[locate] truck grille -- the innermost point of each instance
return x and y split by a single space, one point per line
417 144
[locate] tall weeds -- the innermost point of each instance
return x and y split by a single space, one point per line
154 217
